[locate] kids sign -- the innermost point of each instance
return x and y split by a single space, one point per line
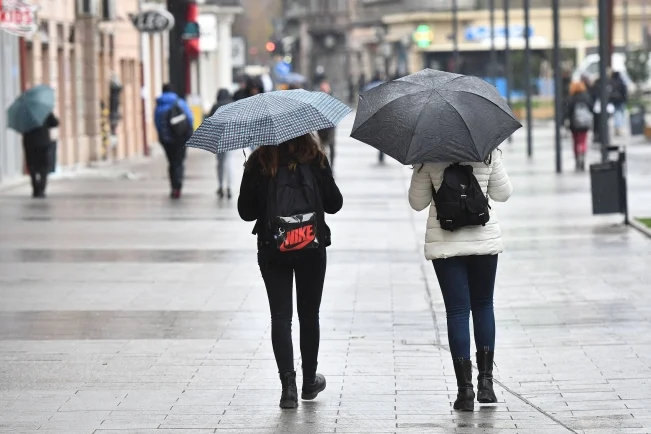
18 17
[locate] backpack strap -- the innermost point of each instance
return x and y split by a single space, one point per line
310 179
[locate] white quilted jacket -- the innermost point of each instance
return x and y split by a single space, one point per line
479 240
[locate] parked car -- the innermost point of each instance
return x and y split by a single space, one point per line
590 67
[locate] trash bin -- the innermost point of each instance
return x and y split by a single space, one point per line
608 182
637 120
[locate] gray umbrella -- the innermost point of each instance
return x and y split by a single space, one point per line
434 116
267 119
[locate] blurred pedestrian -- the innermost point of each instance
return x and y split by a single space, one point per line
223 158
580 117
465 262
352 91
39 150
618 97
244 83
361 82
328 135
31 115
174 123
256 86
296 174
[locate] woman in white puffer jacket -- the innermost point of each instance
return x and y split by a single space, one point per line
465 262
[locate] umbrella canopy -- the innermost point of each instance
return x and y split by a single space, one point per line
268 119
31 109
434 116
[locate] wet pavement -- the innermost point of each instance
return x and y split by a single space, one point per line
122 312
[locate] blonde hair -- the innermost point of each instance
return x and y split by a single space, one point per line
577 87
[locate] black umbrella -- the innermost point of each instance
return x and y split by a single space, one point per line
434 116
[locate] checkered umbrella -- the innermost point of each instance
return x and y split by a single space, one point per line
267 119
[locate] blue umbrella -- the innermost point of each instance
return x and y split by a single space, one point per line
372 85
31 109
268 119
292 78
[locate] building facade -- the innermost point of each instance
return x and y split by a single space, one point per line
578 30
320 31
105 75
11 160
214 66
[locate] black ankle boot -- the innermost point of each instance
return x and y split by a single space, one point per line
289 398
313 384
485 392
465 396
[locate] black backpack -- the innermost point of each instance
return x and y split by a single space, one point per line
178 122
460 201
294 209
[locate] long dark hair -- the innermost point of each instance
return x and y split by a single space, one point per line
303 149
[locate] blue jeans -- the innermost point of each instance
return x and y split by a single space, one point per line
468 284
620 115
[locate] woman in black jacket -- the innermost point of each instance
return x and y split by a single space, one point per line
279 267
38 153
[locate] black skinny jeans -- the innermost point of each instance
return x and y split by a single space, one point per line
37 159
278 272
175 153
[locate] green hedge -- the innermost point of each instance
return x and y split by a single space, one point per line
645 221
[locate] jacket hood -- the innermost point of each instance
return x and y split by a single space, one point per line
167 98
224 95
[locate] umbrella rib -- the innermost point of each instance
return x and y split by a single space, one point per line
459 114
418 120
483 97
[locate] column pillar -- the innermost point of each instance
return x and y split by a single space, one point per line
159 64
89 69
225 50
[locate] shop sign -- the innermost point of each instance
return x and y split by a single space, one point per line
207 32
153 21
423 36
482 33
18 17
238 45
191 32
590 28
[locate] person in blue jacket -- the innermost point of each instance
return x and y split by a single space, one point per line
174 123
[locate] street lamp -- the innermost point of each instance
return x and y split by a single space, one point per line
527 74
455 35
558 107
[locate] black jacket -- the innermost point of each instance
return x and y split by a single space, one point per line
223 98
618 91
583 97
327 136
40 137
252 203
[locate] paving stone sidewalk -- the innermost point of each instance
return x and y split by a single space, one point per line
121 312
